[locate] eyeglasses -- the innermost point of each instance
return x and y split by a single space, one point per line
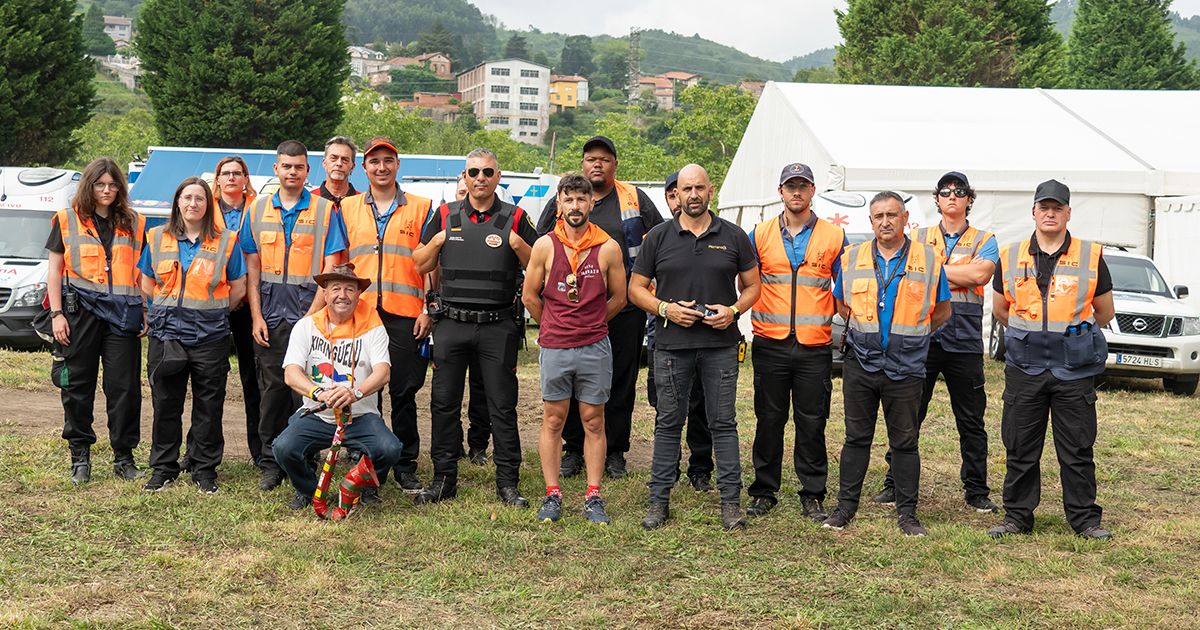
487 172
229 174
572 288
200 199
957 192
106 186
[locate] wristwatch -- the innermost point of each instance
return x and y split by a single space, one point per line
736 311
358 394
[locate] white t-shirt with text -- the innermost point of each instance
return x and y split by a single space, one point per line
328 365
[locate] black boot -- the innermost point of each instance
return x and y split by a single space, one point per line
81 464
124 468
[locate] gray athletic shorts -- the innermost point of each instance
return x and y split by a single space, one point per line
584 373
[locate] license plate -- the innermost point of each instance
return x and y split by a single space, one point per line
1133 359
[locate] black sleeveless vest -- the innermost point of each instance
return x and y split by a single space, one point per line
479 269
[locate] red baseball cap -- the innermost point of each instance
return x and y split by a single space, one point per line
380 142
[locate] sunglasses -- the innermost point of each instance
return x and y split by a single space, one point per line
572 288
957 192
487 172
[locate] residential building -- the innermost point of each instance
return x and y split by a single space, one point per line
126 70
364 61
567 91
753 87
437 62
440 106
678 77
661 87
118 27
511 95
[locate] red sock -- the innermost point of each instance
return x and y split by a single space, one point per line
553 490
592 491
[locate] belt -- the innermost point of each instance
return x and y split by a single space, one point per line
480 317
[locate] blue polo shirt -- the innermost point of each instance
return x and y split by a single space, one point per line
988 251
889 295
383 214
234 269
797 247
335 241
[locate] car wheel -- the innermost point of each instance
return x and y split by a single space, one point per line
996 341
1181 385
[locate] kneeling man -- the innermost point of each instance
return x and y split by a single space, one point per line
337 358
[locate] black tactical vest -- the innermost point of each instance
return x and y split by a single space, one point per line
479 268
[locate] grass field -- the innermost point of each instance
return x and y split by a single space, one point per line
110 555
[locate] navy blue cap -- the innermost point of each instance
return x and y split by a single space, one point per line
1053 189
672 181
796 169
954 176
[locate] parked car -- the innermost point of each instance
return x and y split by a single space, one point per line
1155 334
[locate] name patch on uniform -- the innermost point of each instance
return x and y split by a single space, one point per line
720 247
493 240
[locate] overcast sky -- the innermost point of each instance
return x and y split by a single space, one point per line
771 29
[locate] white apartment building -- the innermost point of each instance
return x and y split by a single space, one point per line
364 61
510 94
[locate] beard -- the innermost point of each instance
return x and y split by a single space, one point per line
576 219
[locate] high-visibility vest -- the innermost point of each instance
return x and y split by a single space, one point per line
202 286
627 201
386 258
297 264
912 312
963 332
796 301
219 217
1056 331
87 266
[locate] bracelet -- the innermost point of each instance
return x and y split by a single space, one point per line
662 308
312 393
736 311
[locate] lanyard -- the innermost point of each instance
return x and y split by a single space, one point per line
896 271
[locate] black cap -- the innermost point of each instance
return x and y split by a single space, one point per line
954 176
1053 189
794 170
600 141
672 181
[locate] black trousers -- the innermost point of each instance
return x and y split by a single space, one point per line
241 325
863 392
278 400
698 436
495 345
407 378
208 370
792 377
1029 402
76 369
963 373
479 427
625 334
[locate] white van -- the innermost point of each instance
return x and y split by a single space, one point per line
29 197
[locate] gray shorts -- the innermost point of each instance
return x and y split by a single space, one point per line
584 373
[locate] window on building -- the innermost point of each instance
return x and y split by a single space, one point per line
499 120
529 122
498 104
499 89
568 97
500 72
530 74
533 134
529 107
529 91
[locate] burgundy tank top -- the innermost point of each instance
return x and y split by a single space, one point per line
567 324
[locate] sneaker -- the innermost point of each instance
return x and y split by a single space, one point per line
1007 528
813 509
614 466
478 458
409 483
732 516
206 486
369 495
572 464
157 482
759 506
887 497
838 520
551 509
911 525
1095 532
700 483
593 510
300 501
983 505
270 479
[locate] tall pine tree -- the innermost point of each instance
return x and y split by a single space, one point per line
98 42
516 48
1127 45
46 87
243 73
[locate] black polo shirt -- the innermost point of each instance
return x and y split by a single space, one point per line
323 191
705 268
1046 264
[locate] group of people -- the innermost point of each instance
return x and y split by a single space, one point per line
347 292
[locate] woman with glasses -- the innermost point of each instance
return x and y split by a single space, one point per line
192 272
97 316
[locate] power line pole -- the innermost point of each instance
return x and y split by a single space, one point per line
635 64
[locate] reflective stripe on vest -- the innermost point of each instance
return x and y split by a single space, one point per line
1068 299
964 252
85 263
796 301
203 285
219 217
301 261
915 297
387 259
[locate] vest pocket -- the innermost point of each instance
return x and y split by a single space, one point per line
1084 350
1016 345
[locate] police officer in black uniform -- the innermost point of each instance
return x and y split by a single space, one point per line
482 244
